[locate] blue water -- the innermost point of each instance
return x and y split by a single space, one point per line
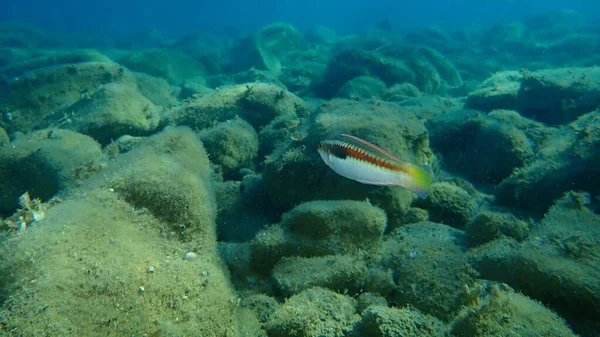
184 17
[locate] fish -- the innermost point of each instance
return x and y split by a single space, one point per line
359 160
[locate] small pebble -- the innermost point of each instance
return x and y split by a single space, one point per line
141 289
190 256
150 269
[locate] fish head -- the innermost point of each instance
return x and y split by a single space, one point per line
323 149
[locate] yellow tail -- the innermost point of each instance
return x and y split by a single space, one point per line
422 177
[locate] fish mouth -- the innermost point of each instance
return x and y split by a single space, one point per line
323 153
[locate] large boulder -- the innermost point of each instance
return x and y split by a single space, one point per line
130 253
559 96
424 67
382 321
502 311
46 93
269 48
232 145
430 270
555 37
567 160
110 112
558 264
320 228
314 312
256 103
482 140
553 96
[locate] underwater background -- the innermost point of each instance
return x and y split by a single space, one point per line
159 172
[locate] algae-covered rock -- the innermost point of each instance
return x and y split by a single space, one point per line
400 92
110 112
303 76
350 63
3 137
194 87
559 96
279 130
503 312
449 204
314 312
104 263
424 67
172 65
499 91
414 215
231 145
566 160
431 271
427 107
242 207
339 273
262 305
47 92
43 163
491 225
170 176
268 48
256 103
156 89
552 96
236 256
362 87
482 140
320 228
381 321
21 71
542 38
558 264
507 36
98 250
367 299
229 208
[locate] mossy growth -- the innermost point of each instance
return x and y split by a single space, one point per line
320 228
96 266
314 312
506 313
169 174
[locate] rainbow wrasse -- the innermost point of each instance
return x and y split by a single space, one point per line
359 160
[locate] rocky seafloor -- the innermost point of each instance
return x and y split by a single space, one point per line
171 187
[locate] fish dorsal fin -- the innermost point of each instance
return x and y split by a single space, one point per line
372 146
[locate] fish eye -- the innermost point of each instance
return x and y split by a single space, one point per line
320 146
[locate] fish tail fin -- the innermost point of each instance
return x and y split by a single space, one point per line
422 177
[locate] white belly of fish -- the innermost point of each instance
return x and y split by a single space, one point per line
365 172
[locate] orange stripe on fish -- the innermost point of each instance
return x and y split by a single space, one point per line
364 156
